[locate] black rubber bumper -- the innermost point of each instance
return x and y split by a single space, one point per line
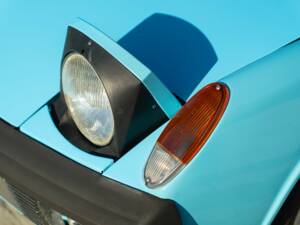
74 190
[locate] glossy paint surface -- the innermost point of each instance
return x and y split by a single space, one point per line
33 33
42 128
250 163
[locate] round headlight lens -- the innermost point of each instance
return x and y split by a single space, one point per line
87 100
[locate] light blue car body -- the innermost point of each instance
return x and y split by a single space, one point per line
247 168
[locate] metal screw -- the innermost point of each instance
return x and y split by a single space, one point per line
148 180
218 87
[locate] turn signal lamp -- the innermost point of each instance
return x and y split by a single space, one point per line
186 134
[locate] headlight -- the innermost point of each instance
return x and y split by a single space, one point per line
87 100
108 101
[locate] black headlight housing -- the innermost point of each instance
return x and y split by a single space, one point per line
136 112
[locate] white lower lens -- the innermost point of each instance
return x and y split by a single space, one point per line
160 166
87 100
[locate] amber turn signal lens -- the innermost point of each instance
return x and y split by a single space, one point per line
193 124
186 133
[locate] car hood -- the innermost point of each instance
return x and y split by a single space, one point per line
33 34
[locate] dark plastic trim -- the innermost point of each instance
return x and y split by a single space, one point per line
136 112
74 190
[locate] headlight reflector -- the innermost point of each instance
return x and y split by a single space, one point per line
87 100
